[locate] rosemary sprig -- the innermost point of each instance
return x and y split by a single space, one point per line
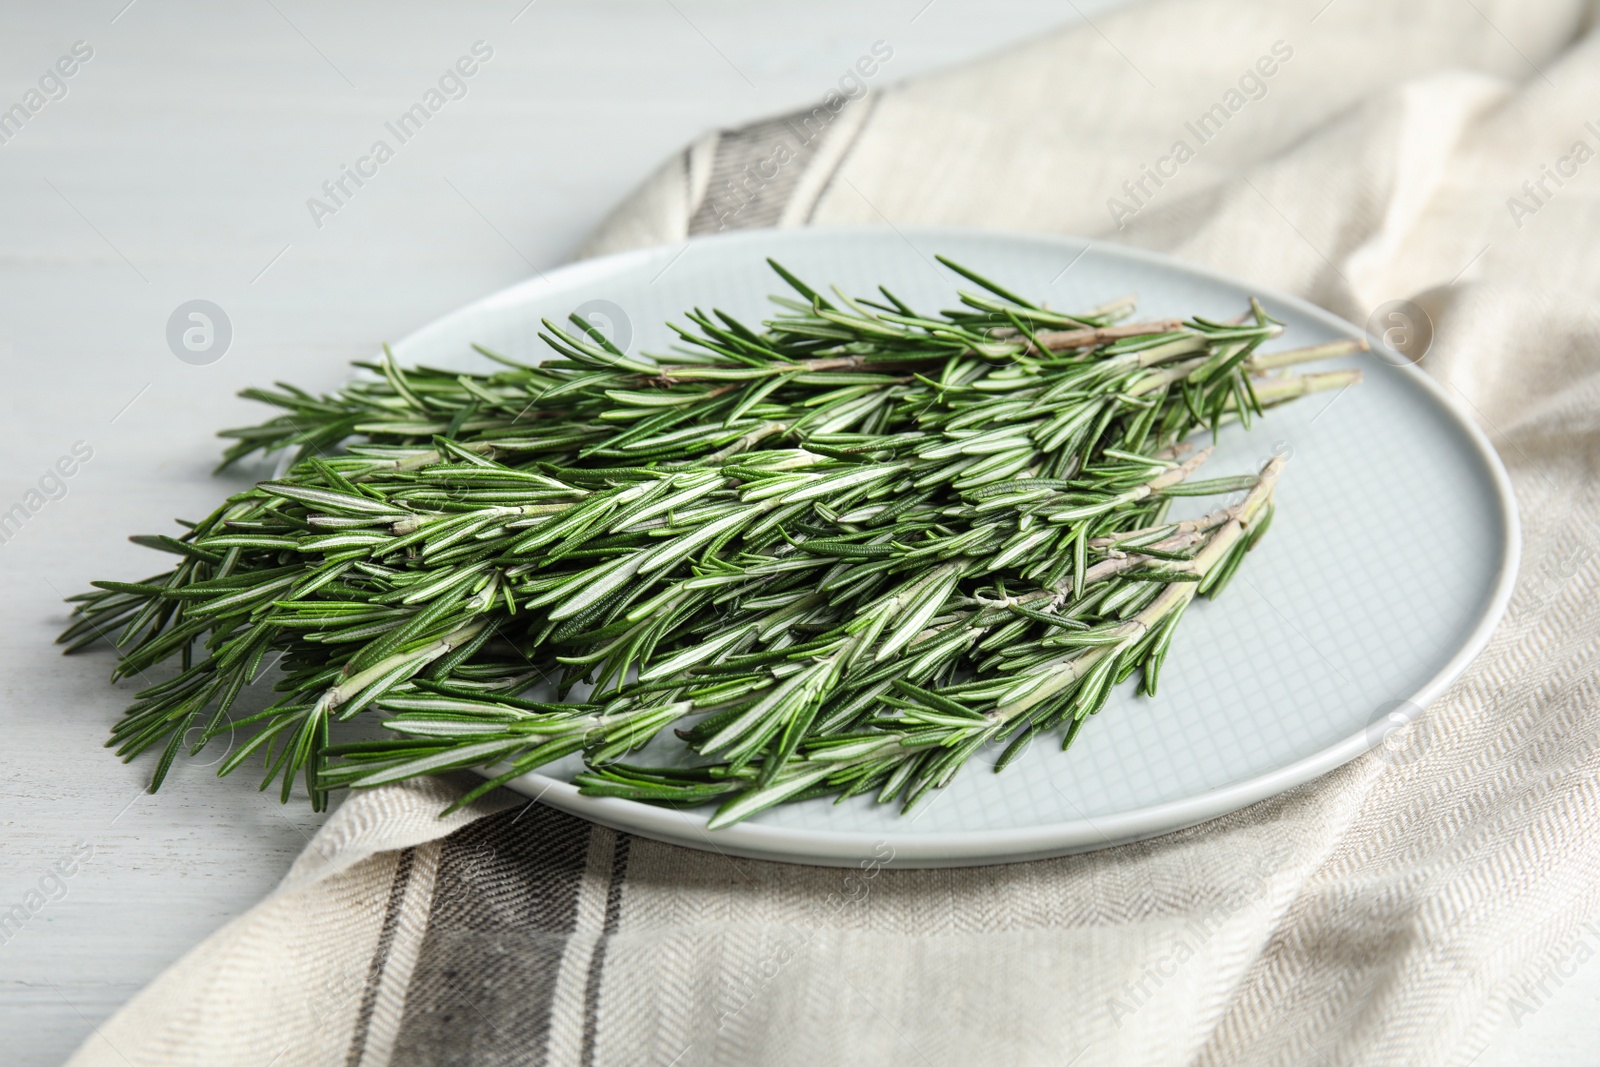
837 553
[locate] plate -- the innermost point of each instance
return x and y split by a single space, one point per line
1391 557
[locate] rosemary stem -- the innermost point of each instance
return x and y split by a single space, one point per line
1204 522
1277 390
415 659
1175 596
1061 340
1260 361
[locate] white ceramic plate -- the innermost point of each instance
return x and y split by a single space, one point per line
1391 558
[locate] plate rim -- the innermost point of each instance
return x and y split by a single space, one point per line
986 847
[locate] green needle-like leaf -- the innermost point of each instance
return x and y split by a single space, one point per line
836 553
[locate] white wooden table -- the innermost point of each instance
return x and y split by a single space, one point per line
177 166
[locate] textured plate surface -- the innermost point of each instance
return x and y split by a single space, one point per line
1391 557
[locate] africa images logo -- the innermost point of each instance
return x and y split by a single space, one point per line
1252 85
452 85
52 86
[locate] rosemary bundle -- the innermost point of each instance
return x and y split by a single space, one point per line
835 554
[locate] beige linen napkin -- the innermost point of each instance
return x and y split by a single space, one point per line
1401 910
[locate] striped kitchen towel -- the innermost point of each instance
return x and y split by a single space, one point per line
1400 910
